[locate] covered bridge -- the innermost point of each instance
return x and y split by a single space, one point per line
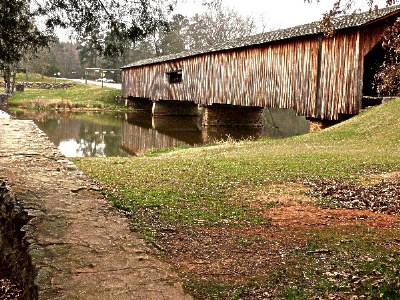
296 68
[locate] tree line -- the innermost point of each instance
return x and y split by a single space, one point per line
179 33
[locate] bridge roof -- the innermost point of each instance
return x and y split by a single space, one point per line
348 21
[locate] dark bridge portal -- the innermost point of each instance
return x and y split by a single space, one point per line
372 61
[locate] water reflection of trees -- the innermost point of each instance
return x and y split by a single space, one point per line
90 138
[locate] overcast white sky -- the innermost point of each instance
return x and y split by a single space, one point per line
269 14
273 14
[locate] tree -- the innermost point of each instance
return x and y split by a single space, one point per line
219 24
18 35
68 59
172 39
125 20
141 50
90 48
56 58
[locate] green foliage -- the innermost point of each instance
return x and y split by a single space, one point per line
34 77
19 34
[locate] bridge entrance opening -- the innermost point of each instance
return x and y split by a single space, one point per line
372 61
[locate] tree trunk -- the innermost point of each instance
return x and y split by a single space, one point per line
7 80
14 74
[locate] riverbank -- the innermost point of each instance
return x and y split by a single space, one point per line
298 218
60 238
77 97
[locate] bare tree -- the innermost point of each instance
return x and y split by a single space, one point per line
219 24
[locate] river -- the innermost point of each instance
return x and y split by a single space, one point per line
91 134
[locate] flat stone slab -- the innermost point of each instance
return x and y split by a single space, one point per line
81 247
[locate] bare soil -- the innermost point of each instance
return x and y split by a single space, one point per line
271 256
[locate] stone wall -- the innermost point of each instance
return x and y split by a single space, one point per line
139 103
232 116
174 108
43 85
13 245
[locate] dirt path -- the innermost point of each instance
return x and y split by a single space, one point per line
80 246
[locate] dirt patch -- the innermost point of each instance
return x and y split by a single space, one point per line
377 178
300 245
284 195
306 216
232 253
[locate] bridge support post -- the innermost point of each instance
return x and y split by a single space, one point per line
231 115
139 103
174 108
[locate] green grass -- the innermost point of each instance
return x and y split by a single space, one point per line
157 152
200 289
351 265
199 184
34 77
81 96
212 187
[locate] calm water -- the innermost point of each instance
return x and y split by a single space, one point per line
126 134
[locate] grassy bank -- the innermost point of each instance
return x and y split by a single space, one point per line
80 96
235 218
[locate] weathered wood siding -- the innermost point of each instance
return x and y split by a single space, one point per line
316 76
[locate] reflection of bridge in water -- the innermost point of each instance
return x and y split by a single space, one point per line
142 132
89 134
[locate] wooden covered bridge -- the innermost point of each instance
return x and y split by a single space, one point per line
296 68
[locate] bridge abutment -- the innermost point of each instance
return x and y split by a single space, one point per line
278 122
174 108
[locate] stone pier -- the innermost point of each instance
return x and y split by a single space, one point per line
175 108
139 103
63 240
231 115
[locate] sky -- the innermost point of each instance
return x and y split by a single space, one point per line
273 14
268 14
